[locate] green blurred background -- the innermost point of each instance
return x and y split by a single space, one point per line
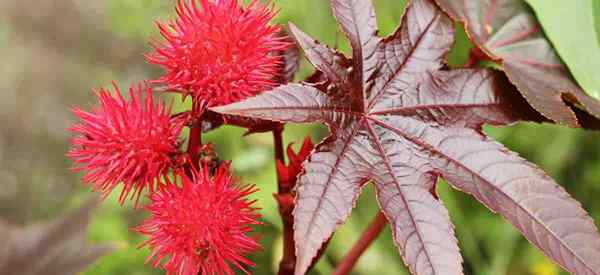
55 51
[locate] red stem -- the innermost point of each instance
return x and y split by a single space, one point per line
195 135
361 245
288 261
279 152
195 143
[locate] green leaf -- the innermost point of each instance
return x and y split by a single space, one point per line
596 9
570 27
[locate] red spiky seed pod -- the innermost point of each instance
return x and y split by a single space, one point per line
202 224
220 51
129 142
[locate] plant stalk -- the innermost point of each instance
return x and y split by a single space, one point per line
366 239
286 205
194 144
195 135
279 153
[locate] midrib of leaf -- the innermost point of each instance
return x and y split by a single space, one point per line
358 52
511 40
432 149
401 67
386 160
302 108
432 106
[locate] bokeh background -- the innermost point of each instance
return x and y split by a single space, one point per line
53 52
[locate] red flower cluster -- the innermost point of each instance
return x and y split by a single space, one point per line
220 51
201 227
133 142
290 172
288 176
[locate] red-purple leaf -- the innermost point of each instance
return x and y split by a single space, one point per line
443 98
357 19
410 123
291 61
421 227
327 192
297 103
507 32
326 60
519 191
418 46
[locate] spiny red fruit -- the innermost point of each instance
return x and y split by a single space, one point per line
132 142
202 225
220 51
290 172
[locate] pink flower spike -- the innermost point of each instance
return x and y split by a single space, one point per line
220 51
130 142
201 226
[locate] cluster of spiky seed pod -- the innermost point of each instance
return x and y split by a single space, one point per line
217 52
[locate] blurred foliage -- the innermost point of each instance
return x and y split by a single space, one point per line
596 9
133 17
106 40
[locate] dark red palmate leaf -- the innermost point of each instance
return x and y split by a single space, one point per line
507 32
398 119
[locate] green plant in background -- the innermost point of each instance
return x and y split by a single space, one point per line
130 17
